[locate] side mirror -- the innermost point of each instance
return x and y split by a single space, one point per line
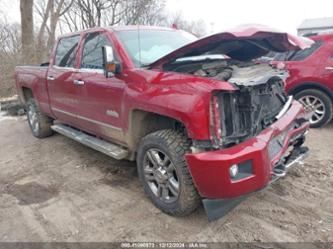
111 67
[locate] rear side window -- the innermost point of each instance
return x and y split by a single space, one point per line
92 57
303 54
66 51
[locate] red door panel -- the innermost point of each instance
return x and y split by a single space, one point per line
99 98
63 94
100 104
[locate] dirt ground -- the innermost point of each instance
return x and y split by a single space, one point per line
56 189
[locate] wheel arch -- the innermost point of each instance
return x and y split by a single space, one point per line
26 94
142 122
311 85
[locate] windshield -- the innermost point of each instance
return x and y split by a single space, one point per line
153 45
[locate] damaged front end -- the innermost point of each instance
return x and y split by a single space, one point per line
252 107
229 56
256 130
238 116
243 113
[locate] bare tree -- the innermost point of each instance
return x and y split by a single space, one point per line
56 11
10 35
144 12
27 30
19 43
196 27
91 13
10 49
87 13
43 12
49 13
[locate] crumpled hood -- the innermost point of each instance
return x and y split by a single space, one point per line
242 43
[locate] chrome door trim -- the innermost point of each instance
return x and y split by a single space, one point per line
90 70
72 69
87 119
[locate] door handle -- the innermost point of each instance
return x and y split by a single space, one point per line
50 78
329 68
78 82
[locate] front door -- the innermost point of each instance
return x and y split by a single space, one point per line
100 97
327 68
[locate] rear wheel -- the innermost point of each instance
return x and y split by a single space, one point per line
319 103
164 173
39 123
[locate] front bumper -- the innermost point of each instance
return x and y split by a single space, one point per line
267 153
216 208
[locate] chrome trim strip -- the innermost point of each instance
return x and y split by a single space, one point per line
64 68
285 107
90 70
87 119
79 70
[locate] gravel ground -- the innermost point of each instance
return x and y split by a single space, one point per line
55 189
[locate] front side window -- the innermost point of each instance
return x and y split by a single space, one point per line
92 57
66 51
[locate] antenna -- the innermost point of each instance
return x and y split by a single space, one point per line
139 44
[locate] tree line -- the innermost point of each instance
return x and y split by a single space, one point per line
62 16
31 39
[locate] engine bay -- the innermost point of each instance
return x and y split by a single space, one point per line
252 107
239 73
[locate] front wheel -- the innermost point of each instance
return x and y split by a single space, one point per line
319 103
164 173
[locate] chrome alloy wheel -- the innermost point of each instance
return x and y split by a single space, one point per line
161 176
315 105
33 119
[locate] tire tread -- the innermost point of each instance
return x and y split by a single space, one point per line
178 146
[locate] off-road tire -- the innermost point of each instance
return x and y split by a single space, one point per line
325 99
43 128
174 144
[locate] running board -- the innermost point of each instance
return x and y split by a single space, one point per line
100 145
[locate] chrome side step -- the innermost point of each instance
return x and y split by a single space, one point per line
105 147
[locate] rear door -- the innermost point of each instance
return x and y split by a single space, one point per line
100 98
60 79
326 65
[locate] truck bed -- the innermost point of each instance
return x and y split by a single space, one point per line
34 78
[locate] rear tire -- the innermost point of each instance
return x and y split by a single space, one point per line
39 123
320 103
164 174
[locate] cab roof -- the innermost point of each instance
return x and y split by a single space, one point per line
119 28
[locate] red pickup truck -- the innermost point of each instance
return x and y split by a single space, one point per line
202 121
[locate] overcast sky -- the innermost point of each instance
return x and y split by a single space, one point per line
281 14
223 14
